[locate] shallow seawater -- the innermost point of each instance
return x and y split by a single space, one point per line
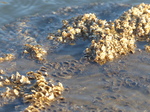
12 9
119 86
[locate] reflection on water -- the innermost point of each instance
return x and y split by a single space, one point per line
119 86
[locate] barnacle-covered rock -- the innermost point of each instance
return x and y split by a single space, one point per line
42 92
35 51
110 39
79 27
147 48
119 37
19 79
2 71
8 96
7 57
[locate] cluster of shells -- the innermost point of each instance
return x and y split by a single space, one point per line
110 39
34 88
35 51
147 48
7 57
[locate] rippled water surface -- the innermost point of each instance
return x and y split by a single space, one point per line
119 86
12 9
